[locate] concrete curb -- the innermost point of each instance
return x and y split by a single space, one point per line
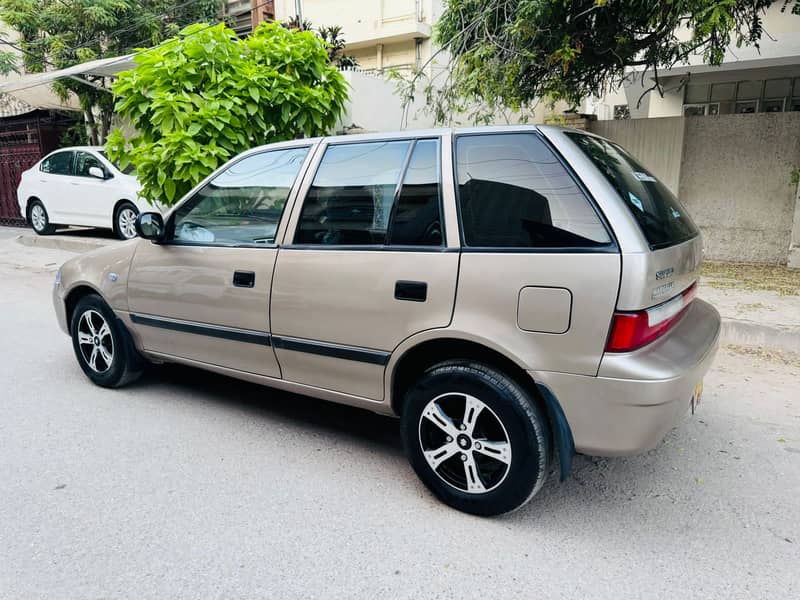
750 333
60 242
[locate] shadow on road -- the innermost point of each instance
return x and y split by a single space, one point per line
302 411
595 484
86 232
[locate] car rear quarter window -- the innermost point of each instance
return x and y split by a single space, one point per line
661 217
59 163
374 193
513 192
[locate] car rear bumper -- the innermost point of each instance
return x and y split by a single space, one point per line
637 397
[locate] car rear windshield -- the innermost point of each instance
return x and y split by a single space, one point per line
662 218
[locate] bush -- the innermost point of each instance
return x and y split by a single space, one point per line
203 97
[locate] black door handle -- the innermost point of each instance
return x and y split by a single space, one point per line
244 279
415 291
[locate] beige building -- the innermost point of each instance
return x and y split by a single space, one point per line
750 80
381 34
245 15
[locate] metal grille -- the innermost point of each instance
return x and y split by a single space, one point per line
19 150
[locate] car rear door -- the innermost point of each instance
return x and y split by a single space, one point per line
53 186
365 263
203 294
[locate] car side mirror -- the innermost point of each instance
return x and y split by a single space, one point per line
150 226
97 172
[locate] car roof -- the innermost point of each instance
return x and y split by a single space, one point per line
420 133
92 148
391 135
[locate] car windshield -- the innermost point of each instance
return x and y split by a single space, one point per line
129 170
661 217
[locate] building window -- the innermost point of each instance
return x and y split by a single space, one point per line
742 97
695 110
746 107
621 111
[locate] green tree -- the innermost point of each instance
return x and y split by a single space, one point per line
54 34
336 45
513 53
204 96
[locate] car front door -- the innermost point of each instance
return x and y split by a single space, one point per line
93 198
203 294
365 263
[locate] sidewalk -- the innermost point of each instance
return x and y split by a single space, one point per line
759 304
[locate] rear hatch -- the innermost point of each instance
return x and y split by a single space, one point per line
657 286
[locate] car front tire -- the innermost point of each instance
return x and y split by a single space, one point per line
39 219
125 221
102 345
475 438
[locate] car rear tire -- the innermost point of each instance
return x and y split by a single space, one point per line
125 221
102 344
475 438
39 219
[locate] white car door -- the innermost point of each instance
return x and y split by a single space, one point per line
91 198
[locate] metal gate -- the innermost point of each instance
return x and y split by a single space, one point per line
19 150
23 141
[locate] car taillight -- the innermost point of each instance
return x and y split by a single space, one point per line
632 330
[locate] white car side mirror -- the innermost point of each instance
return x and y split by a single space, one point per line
97 172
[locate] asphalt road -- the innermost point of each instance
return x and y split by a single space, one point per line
188 485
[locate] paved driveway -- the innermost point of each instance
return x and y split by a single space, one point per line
188 485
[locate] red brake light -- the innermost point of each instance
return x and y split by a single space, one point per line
632 330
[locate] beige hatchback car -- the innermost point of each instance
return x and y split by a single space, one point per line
513 294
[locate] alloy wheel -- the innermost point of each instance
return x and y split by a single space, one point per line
38 217
465 443
95 341
126 222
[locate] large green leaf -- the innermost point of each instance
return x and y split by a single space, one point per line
201 98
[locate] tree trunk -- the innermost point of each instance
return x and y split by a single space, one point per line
105 123
92 124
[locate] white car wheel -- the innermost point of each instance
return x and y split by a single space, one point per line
125 224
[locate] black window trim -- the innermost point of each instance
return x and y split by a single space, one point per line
443 247
71 163
611 247
169 226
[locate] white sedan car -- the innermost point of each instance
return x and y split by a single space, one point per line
80 186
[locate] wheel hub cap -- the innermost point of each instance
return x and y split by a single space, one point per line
465 443
37 217
127 223
95 341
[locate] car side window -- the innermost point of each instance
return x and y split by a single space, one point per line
84 161
513 192
243 204
59 163
356 197
417 219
